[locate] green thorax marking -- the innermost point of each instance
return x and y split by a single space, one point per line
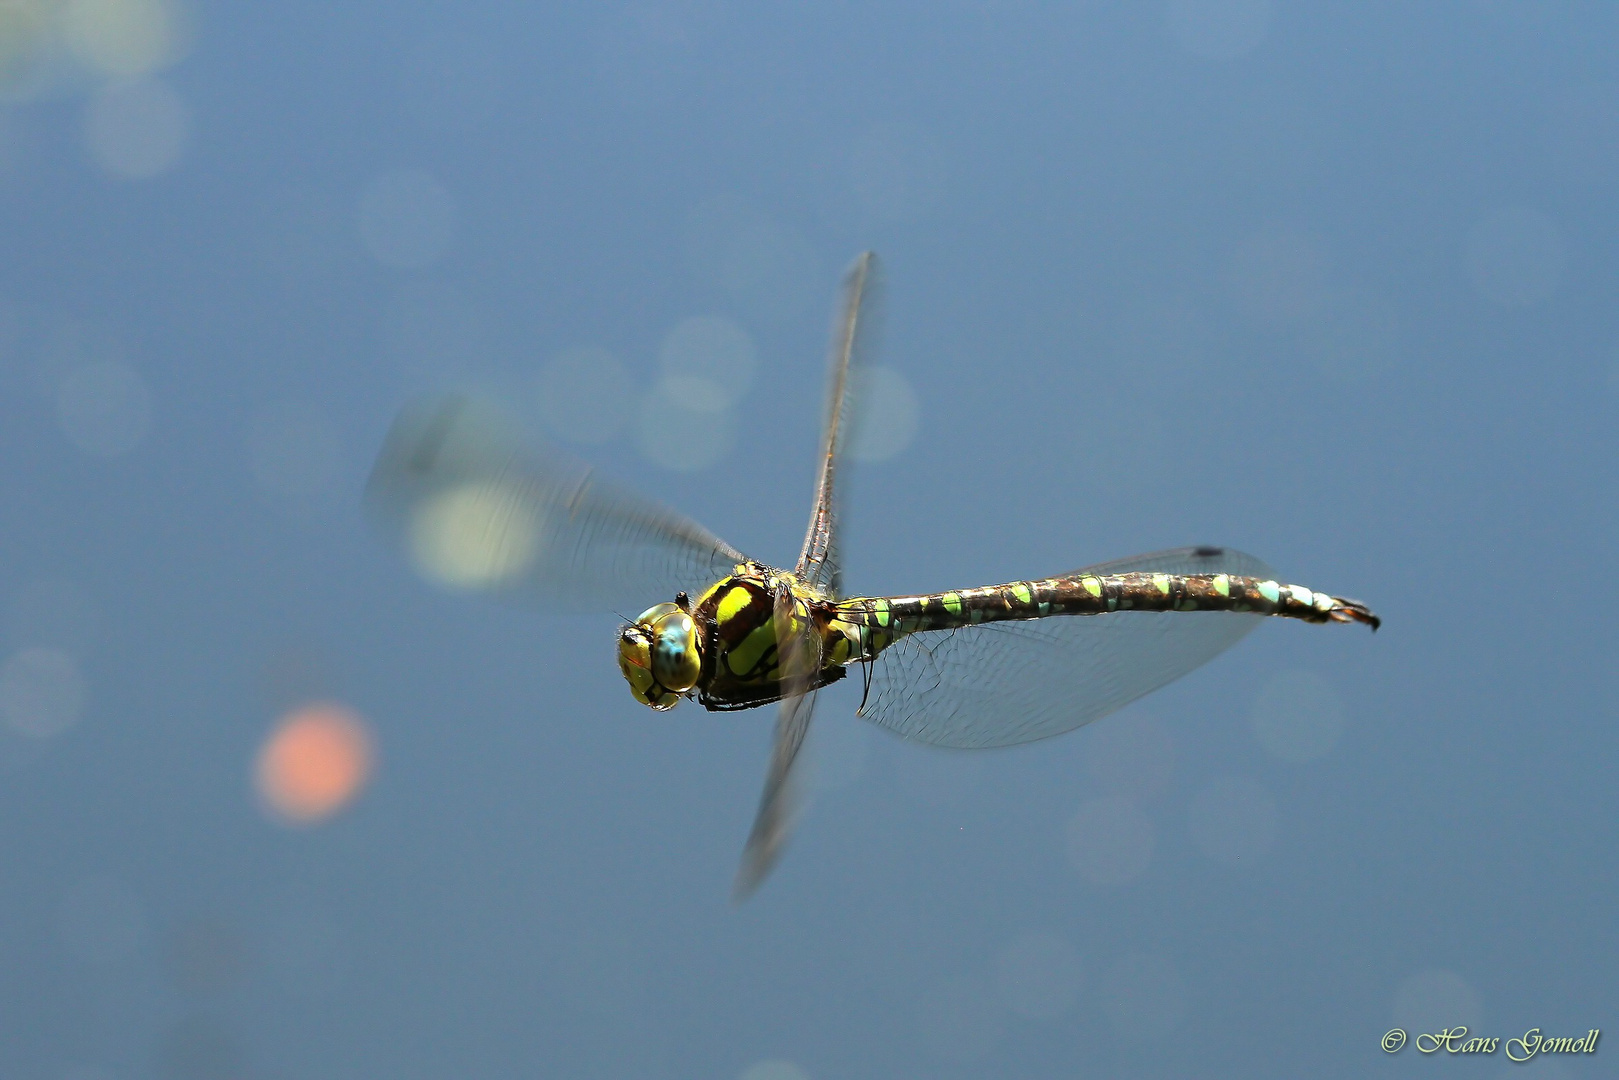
737 635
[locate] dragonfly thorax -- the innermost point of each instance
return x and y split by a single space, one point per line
659 655
720 646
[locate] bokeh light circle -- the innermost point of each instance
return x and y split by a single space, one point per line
316 760
887 415
25 34
708 363
125 38
473 536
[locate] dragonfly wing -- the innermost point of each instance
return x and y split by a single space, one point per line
819 565
799 660
819 570
998 684
476 507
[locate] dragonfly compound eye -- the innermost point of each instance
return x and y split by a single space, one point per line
675 662
658 656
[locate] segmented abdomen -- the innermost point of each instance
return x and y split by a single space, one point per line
1086 594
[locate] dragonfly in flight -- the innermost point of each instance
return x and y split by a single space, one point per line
459 488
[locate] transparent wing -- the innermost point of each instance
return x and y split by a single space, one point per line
997 684
475 507
819 564
820 569
799 660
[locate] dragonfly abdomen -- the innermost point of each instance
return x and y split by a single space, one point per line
1091 594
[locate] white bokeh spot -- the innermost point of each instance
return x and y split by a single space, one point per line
708 363
125 38
473 536
887 415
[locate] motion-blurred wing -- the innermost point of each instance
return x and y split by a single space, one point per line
475 507
819 565
799 660
997 684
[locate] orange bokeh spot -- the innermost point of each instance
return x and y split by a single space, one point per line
314 762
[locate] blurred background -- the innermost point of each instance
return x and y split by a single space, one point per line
1329 283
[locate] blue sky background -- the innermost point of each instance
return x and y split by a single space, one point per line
1331 283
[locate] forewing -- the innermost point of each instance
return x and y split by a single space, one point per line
998 684
819 564
798 661
474 506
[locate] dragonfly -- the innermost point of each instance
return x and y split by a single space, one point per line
459 488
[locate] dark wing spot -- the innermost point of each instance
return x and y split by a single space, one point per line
1208 552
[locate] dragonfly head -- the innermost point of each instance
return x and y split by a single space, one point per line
658 655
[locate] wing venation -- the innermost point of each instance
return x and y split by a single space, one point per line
476 506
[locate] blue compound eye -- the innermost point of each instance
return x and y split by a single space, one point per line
675 659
